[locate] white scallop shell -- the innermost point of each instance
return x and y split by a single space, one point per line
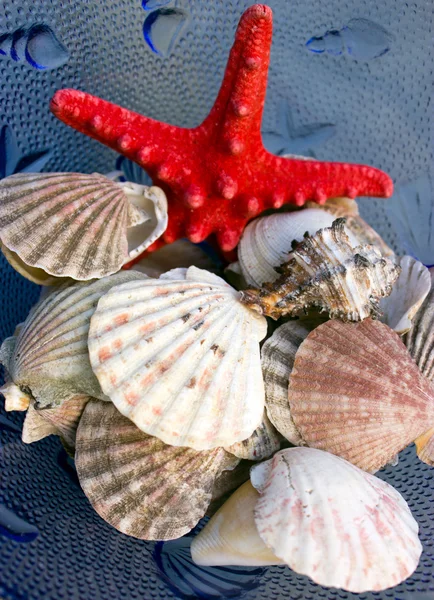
408 293
329 520
48 358
78 226
180 358
267 241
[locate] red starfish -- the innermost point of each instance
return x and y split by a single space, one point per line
218 175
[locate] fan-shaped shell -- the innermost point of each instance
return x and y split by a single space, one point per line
180 254
231 536
267 241
263 442
50 360
325 271
355 391
74 225
277 359
329 520
347 208
408 294
38 276
420 339
180 358
135 482
62 421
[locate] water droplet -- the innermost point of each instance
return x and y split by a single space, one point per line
153 4
361 38
43 50
15 527
162 29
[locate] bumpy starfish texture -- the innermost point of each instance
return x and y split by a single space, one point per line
218 175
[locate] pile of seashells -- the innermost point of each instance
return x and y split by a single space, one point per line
154 378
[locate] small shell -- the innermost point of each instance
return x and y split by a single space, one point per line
420 339
326 272
408 294
15 399
181 253
50 360
267 241
346 207
231 536
180 358
334 523
62 421
74 225
277 358
263 442
355 391
138 484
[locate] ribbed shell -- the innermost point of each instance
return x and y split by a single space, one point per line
263 442
420 339
277 358
74 225
346 207
33 274
50 358
267 241
355 391
408 294
226 483
62 421
334 523
325 271
181 253
180 358
138 484
231 536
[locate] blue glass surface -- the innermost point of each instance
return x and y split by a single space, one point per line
348 81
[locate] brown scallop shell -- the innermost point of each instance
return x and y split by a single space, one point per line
355 391
420 339
138 484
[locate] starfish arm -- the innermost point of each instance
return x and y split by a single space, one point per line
235 119
300 180
137 137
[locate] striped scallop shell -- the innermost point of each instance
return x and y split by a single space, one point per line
408 294
62 421
135 482
180 358
263 442
355 391
331 521
50 359
267 241
78 226
277 359
420 339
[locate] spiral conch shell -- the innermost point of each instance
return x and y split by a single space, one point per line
135 482
325 271
355 391
77 226
320 515
180 358
48 359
